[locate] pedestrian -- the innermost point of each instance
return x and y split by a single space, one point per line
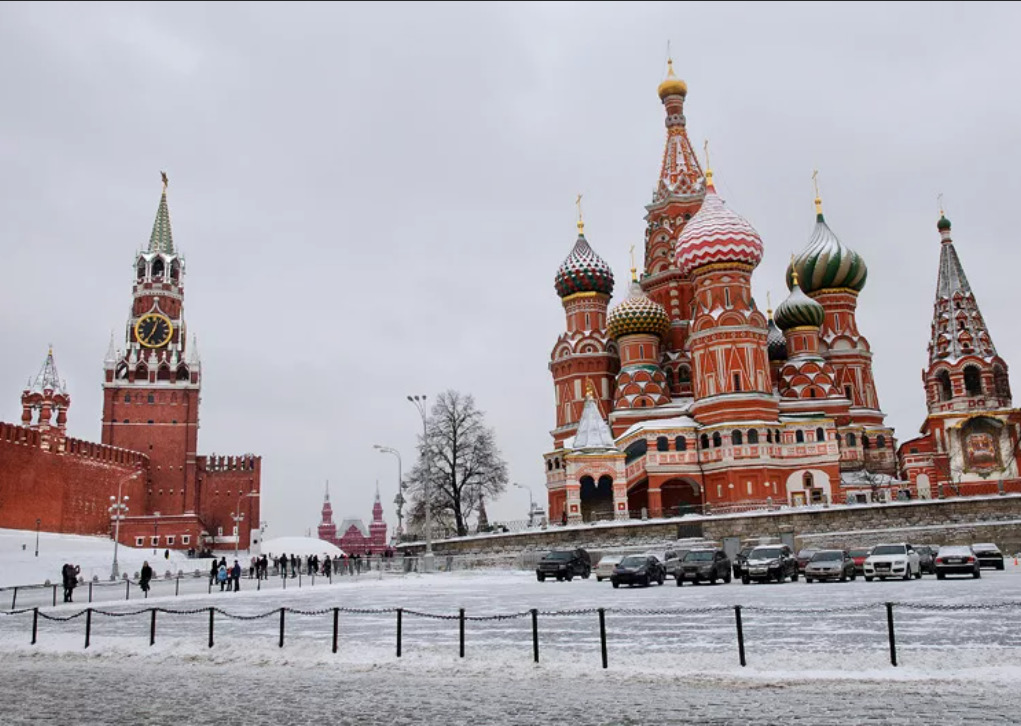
563 517
69 575
144 577
212 572
235 575
327 566
221 575
166 554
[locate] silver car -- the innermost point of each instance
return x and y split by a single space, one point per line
605 567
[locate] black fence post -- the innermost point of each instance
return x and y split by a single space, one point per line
336 627
54 596
535 635
152 628
177 585
211 611
90 590
14 600
258 584
127 589
299 579
740 634
285 580
893 637
88 626
283 611
461 631
35 623
602 634
400 612
210 590
313 579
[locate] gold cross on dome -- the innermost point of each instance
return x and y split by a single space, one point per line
815 181
581 222
939 200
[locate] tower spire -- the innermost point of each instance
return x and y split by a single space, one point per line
327 497
162 239
708 166
581 222
818 199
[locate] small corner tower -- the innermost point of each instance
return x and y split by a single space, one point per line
44 397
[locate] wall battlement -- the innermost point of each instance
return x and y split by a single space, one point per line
12 434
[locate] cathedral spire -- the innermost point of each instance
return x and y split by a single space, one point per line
162 239
111 352
680 175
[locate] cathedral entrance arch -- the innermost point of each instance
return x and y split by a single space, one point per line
680 497
596 497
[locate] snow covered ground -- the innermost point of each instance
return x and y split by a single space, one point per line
672 659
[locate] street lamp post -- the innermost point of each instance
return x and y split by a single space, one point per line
420 404
155 530
118 510
399 499
37 523
239 517
531 502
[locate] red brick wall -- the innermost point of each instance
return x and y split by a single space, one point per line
69 490
221 481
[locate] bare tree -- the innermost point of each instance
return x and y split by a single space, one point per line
461 459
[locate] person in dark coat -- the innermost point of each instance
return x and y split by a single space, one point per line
235 576
69 574
212 572
144 577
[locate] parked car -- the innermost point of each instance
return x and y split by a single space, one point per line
859 555
638 570
957 560
670 559
605 566
773 562
830 565
564 565
892 560
709 565
804 556
988 554
739 560
926 559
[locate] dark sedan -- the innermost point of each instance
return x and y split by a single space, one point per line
638 570
988 554
955 560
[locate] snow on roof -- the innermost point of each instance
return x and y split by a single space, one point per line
350 522
661 423
593 433
301 546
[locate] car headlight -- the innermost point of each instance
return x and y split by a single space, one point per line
774 563
563 567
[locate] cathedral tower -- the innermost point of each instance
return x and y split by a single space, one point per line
151 386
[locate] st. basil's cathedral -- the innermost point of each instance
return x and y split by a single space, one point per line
686 397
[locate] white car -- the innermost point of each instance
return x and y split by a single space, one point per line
892 560
605 567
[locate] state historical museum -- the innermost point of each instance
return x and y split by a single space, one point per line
151 386
687 397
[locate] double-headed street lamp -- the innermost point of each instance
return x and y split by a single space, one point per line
399 499
119 510
420 404
239 517
531 502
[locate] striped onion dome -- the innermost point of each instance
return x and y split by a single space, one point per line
583 271
716 234
776 343
798 310
826 263
637 314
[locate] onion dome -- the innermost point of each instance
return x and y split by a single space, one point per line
826 263
717 234
943 223
637 314
776 343
799 310
672 86
583 271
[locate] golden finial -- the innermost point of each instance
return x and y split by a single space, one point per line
51 349
166 181
708 166
769 304
818 199
672 85
794 271
590 391
581 222
939 201
634 270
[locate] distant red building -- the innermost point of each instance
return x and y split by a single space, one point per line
355 538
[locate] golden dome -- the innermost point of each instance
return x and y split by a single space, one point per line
672 86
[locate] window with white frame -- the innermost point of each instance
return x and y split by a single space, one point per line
170 539
139 541
155 539
185 539
219 531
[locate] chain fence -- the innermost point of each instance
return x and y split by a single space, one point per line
737 612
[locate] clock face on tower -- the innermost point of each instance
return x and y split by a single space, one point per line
154 330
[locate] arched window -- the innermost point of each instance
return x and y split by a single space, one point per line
737 382
865 442
880 442
157 268
717 440
556 463
705 441
799 436
662 443
972 381
641 351
163 374
549 464
753 436
1001 382
946 389
820 435
684 374
681 444
141 269
806 480
736 438
769 436
851 439
175 271
182 373
776 436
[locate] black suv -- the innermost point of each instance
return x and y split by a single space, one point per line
709 565
564 565
638 570
770 562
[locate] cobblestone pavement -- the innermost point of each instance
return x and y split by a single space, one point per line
43 690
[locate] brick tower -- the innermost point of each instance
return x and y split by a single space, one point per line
44 397
151 387
377 528
327 528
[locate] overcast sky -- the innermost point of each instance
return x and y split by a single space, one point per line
373 200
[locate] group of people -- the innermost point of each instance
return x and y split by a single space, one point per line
229 576
312 564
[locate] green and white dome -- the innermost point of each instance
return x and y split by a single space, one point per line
827 263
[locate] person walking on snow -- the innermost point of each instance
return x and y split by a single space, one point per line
144 577
69 575
235 575
221 575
